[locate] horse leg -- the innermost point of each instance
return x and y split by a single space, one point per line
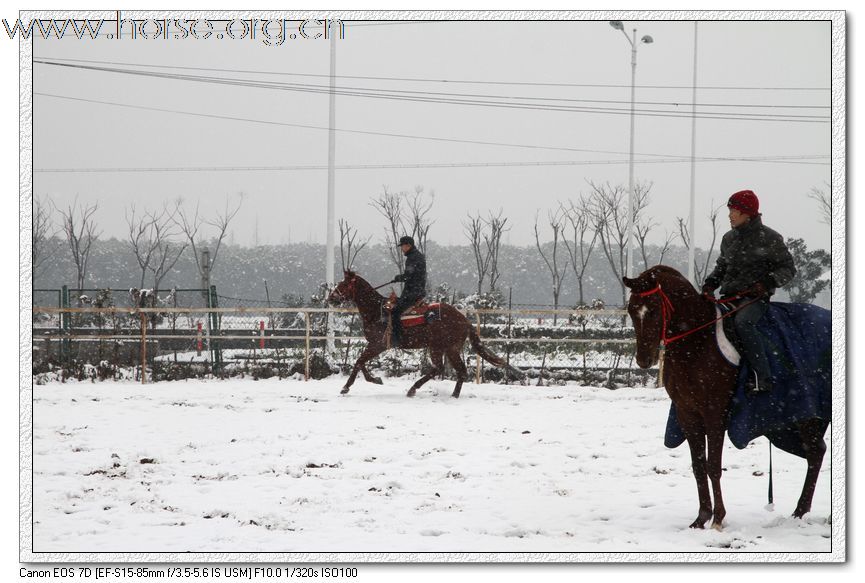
455 358
812 440
436 358
715 439
368 376
697 443
370 352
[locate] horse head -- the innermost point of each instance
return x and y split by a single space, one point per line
346 290
650 308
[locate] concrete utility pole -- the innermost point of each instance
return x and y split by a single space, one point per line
331 174
331 161
692 225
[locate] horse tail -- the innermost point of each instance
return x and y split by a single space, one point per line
487 355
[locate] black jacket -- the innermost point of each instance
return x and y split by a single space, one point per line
752 253
414 276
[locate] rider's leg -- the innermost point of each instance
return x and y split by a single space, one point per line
752 343
402 304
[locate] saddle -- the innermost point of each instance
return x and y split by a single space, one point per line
420 313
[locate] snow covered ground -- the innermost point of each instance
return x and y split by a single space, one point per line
288 466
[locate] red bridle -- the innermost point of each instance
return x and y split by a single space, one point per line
349 291
667 313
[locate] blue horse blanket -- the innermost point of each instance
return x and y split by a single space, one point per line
798 340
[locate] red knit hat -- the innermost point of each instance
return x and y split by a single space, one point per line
745 201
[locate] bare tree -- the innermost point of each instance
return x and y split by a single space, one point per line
389 205
418 217
824 201
579 248
557 224
485 238
191 222
701 271
167 250
79 226
405 215
44 245
348 245
474 231
642 230
610 213
493 241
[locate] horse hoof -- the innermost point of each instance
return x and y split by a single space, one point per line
376 381
344 391
455 395
717 526
698 524
799 513
410 393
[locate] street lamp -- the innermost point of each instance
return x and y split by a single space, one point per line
618 25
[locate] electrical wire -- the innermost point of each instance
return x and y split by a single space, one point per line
426 97
382 134
432 80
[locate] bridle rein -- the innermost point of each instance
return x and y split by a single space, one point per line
667 313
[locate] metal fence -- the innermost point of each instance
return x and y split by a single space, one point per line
173 342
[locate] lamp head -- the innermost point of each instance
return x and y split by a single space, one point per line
617 24
647 40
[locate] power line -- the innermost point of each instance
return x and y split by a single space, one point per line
431 80
378 94
364 132
399 166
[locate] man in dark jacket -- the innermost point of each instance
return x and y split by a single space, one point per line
414 285
754 261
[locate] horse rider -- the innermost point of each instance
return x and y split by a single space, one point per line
414 285
754 261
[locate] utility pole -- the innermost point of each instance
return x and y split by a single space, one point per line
331 174
692 225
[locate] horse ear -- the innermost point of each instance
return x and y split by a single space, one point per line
629 283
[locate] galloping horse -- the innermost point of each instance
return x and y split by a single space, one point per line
443 336
700 381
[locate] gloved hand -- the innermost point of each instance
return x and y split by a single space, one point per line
397 278
708 291
758 290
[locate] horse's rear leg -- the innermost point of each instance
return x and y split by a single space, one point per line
370 352
436 358
811 432
454 355
697 444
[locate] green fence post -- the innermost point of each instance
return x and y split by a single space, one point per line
64 324
216 351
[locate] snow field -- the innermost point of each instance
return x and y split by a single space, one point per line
288 466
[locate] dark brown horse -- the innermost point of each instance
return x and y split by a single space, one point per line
700 381
443 336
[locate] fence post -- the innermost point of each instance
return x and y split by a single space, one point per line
306 370
143 348
478 378
216 355
64 324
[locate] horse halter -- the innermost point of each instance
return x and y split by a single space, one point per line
349 292
666 312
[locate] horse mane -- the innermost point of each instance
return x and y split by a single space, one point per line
670 280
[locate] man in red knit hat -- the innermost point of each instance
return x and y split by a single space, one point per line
754 261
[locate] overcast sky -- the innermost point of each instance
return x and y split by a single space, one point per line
543 71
